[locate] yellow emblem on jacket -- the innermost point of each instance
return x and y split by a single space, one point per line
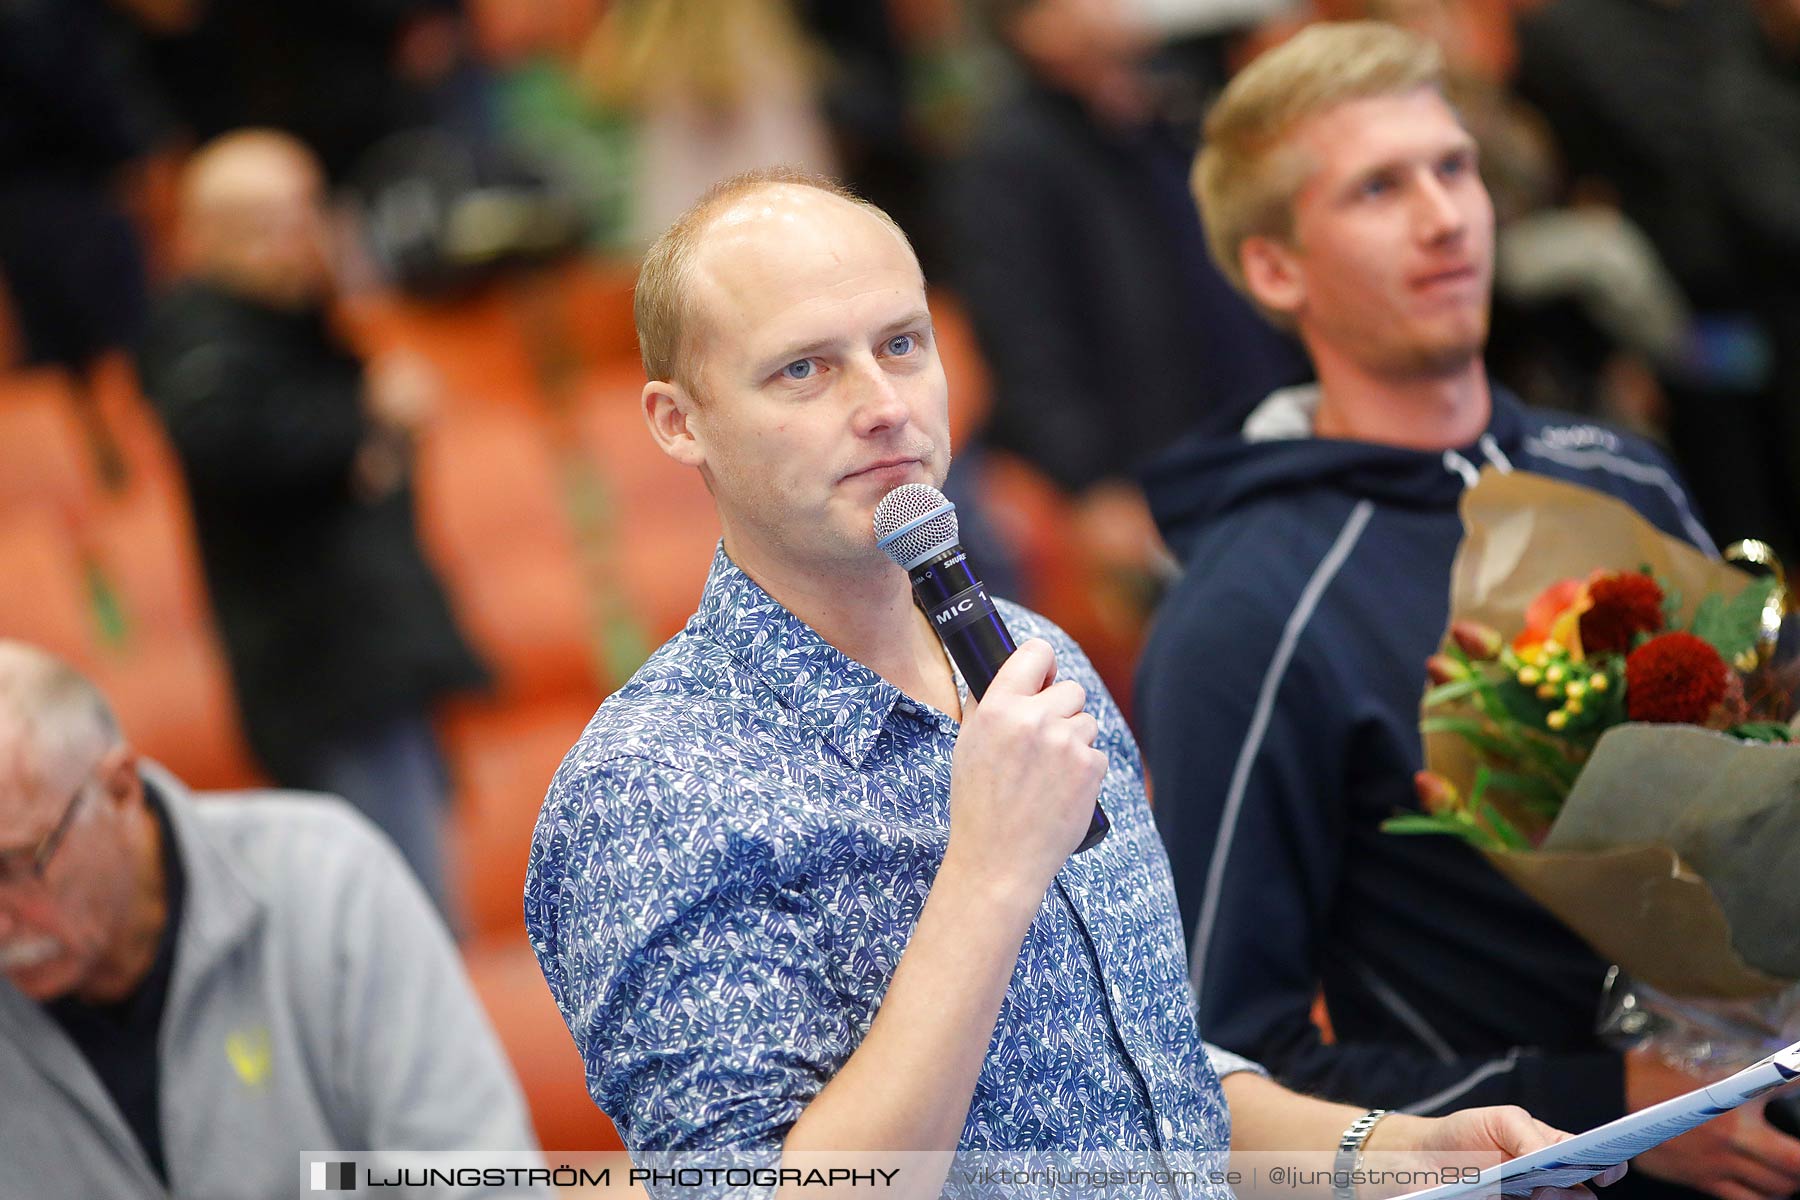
251 1056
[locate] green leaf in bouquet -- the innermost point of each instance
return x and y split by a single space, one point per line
1552 760
1546 753
1509 836
1601 711
1732 626
1502 699
1762 731
1471 731
1487 699
1474 685
1508 745
1521 704
1456 689
1423 823
1609 705
1706 616
1671 605
1533 793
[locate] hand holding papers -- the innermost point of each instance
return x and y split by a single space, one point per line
1588 1154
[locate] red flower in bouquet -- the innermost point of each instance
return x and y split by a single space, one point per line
1622 605
1675 678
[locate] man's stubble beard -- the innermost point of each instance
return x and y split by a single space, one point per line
1446 358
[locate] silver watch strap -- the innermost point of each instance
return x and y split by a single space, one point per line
1349 1153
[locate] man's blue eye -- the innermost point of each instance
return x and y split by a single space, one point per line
903 344
801 368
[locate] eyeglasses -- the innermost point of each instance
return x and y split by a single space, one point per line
20 865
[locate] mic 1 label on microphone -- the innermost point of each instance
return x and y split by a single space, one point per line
964 608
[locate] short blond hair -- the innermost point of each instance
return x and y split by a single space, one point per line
1248 171
663 305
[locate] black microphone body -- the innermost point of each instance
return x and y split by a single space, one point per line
965 619
975 637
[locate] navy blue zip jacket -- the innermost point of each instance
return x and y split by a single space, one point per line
1278 701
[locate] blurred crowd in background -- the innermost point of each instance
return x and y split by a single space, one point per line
319 446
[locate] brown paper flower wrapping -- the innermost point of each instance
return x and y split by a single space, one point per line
1677 854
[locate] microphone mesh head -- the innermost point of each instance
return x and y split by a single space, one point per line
914 522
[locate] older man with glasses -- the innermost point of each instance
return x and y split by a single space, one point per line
193 992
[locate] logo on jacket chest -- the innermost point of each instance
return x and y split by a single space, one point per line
251 1055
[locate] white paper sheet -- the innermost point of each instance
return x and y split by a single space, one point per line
1588 1154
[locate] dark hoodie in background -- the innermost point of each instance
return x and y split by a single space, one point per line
1278 704
1107 328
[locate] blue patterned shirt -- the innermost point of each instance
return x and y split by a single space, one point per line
731 860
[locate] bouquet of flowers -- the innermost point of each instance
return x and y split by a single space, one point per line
1610 722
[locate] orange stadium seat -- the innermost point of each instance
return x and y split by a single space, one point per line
153 199
573 317
611 431
502 760
493 518
119 598
172 692
660 526
487 480
964 369
144 542
512 989
529 617
596 298
135 425
476 343
44 453
12 349
518 341
43 588
1037 519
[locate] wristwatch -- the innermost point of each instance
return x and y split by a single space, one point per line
1349 1153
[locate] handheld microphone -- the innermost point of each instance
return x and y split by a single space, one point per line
916 526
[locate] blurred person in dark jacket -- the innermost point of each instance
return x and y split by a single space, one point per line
1756 109
1755 103
1074 242
1662 123
297 458
73 129
340 75
68 254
